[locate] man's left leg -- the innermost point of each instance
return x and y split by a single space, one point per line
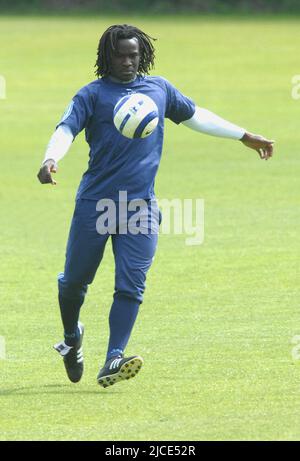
133 257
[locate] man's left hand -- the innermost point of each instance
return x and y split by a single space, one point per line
263 146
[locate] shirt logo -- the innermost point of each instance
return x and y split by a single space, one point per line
68 111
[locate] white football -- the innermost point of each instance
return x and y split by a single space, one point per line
136 116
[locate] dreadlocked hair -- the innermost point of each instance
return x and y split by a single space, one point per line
107 46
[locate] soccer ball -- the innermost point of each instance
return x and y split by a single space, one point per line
136 116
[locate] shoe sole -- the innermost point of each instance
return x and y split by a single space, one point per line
127 371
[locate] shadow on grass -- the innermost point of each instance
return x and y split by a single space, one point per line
55 389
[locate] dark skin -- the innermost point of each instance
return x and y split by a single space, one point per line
124 66
126 59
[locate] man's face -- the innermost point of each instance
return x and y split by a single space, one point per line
126 59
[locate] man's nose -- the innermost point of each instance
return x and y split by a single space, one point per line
127 62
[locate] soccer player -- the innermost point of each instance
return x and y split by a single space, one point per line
116 163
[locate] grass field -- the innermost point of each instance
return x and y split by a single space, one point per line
217 323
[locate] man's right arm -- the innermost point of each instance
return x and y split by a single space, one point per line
57 148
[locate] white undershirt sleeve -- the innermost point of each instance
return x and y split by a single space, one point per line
59 143
207 122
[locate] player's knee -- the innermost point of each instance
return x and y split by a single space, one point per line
71 288
131 284
130 292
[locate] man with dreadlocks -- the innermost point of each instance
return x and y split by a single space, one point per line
116 163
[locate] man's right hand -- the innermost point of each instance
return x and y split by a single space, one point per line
44 175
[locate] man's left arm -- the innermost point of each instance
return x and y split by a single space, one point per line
207 122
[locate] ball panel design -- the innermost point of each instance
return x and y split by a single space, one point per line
136 116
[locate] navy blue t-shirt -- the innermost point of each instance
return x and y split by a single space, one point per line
118 163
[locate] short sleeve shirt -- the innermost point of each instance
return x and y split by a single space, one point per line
117 163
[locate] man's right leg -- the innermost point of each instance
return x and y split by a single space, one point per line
84 253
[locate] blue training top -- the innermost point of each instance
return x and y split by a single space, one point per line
117 163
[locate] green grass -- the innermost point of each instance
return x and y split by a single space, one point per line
217 322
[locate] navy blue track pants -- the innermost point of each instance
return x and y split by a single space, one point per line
133 252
